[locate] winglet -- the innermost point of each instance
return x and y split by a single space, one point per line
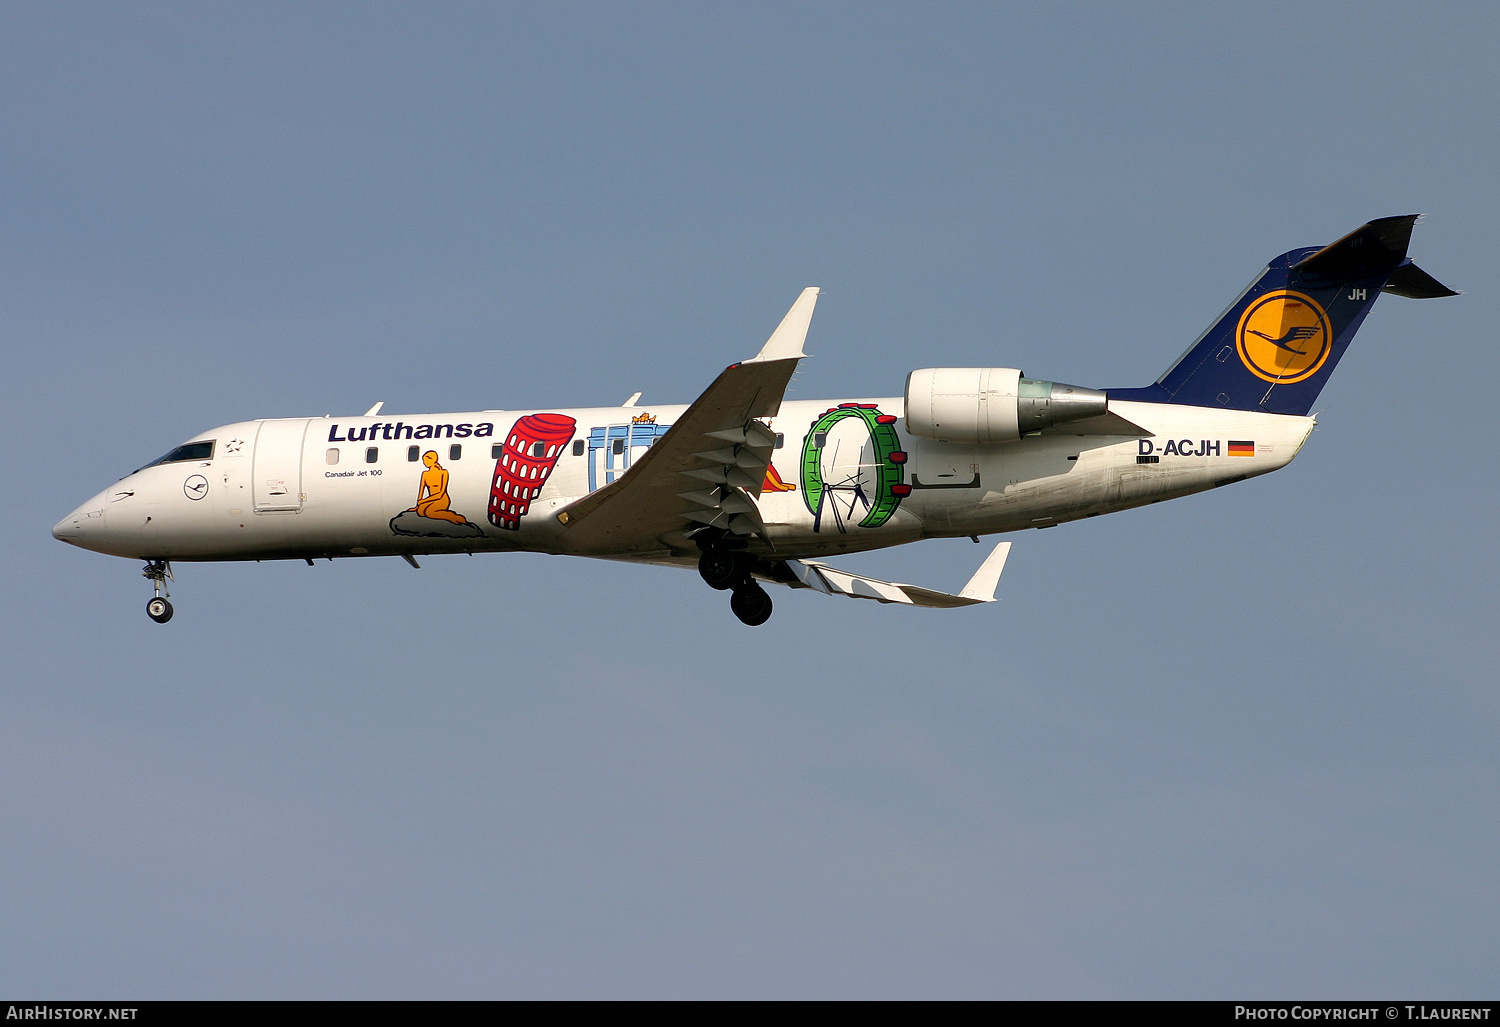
981 586
786 341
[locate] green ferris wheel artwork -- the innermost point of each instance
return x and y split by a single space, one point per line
853 467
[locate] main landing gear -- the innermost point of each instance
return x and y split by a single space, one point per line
726 569
750 603
159 607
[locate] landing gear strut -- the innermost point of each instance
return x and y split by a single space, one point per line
159 607
728 569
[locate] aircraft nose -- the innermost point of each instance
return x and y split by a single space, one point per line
75 527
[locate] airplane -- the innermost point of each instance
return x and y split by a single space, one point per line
751 488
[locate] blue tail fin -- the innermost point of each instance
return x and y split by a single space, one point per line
1276 345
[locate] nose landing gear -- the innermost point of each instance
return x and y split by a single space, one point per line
159 607
728 570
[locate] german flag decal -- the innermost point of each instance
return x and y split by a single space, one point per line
1240 447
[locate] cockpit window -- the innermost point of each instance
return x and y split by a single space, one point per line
189 451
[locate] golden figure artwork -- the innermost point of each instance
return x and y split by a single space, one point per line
433 507
432 492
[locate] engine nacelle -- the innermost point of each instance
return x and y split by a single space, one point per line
991 404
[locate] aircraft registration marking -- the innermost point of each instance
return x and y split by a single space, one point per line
1198 447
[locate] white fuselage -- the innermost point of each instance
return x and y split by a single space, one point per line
366 486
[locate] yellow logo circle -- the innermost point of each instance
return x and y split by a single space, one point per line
1284 337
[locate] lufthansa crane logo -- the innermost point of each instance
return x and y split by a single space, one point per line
196 487
1283 337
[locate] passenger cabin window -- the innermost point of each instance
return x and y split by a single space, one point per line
455 451
412 453
332 457
618 447
190 451
539 449
578 447
372 454
780 440
496 450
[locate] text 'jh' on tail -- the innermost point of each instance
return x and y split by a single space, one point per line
1275 347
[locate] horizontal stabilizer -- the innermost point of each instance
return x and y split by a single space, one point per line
1376 246
1415 284
834 581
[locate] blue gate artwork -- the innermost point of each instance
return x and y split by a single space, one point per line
612 449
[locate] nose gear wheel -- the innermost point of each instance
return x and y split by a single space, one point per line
159 607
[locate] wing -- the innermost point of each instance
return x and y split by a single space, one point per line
707 470
835 581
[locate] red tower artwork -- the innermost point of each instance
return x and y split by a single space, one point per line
526 460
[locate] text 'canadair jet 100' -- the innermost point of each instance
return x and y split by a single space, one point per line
749 488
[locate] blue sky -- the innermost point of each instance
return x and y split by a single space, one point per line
1239 745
